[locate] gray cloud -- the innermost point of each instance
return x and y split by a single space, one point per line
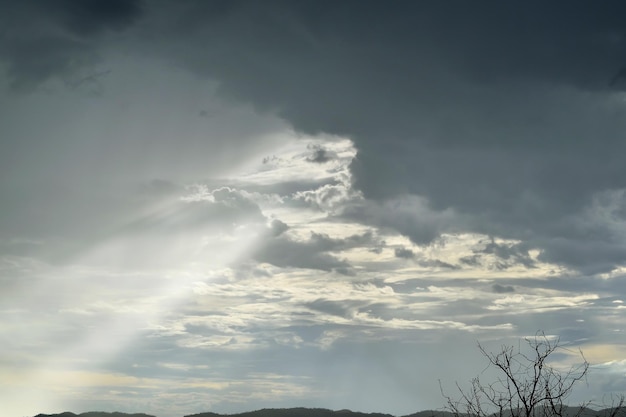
497 288
283 252
436 263
319 154
87 18
508 254
340 309
404 253
315 253
473 260
277 227
410 215
42 40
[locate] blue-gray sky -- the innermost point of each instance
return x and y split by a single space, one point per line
228 205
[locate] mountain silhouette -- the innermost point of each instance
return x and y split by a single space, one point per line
323 412
95 414
294 412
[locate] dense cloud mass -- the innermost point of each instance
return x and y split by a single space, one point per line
503 113
227 205
43 40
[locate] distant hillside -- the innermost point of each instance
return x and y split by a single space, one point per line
94 414
568 412
322 412
294 412
431 413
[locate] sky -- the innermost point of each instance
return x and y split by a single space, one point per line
230 205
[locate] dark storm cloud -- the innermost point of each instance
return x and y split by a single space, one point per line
90 17
42 39
590 256
411 215
501 117
501 112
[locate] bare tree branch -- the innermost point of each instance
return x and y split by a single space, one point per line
528 386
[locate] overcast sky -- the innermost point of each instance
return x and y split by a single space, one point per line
229 205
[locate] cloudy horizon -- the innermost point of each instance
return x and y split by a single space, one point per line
230 205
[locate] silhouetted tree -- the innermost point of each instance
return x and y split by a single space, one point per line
527 385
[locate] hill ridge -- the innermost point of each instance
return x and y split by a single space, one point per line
320 412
